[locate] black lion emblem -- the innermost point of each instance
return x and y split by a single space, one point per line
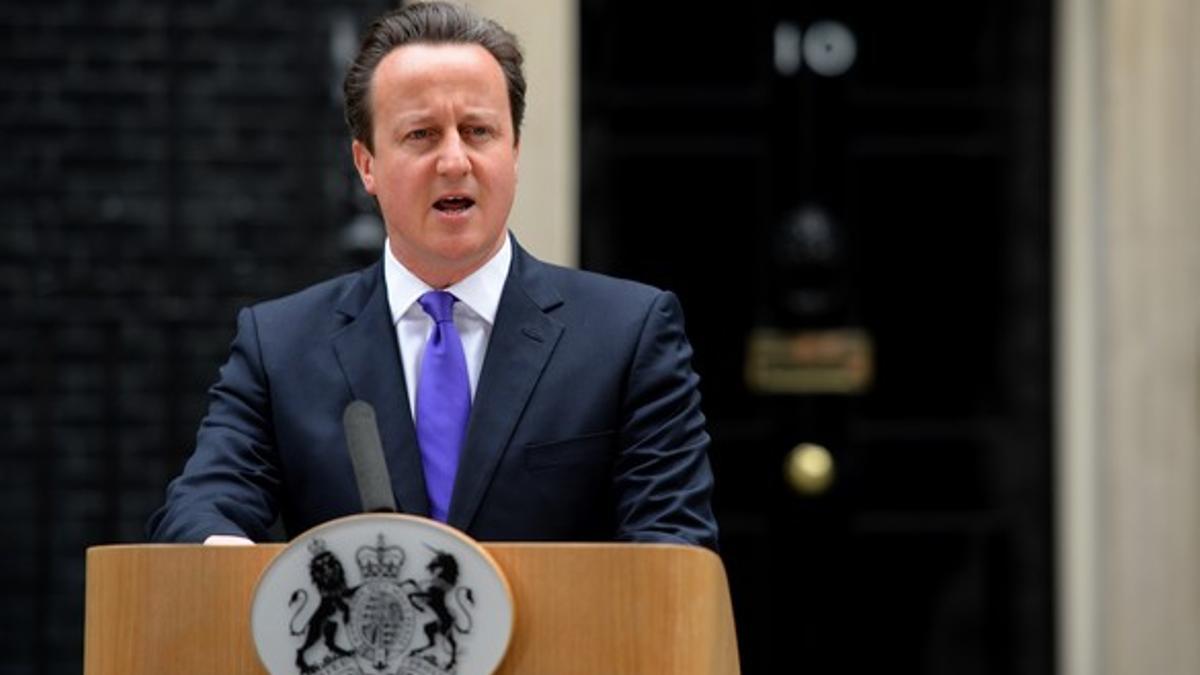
330 579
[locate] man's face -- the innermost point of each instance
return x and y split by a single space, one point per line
444 167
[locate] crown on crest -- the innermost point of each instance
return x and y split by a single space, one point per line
379 560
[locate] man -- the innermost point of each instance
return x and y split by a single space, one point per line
517 400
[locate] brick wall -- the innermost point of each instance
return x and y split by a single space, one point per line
165 163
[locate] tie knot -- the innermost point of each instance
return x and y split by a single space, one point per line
439 305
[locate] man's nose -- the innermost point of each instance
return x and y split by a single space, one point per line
452 158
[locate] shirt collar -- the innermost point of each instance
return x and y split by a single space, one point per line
479 292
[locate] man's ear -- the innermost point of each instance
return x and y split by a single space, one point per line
364 162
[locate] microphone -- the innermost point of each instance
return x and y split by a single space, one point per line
366 454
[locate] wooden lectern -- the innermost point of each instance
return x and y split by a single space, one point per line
586 609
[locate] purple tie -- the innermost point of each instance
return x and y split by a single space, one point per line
443 402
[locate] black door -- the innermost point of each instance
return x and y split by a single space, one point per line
852 200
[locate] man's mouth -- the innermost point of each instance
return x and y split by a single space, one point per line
453 204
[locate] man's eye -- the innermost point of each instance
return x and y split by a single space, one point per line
419 134
479 132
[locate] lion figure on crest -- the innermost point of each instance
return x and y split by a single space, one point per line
330 579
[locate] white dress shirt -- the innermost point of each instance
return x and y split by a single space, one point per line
474 313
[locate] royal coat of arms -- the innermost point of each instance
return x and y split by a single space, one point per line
397 610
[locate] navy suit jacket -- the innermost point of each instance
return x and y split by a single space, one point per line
585 426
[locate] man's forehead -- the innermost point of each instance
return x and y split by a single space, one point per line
435 62
417 110
427 80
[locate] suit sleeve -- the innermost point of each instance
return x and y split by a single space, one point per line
231 482
662 479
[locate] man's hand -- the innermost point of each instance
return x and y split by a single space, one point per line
227 540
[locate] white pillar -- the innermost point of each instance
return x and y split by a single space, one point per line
546 214
1128 158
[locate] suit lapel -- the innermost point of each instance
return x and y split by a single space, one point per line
367 350
523 338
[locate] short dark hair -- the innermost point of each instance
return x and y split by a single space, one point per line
429 23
